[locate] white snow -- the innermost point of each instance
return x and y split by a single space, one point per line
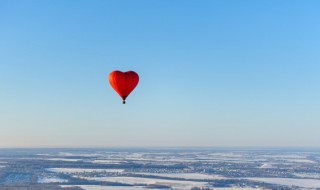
267 165
149 181
306 183
64 159
43 154
308 175
237 188
300 161
106 161
287 156
51 180
82 170
78 154
185 175
226 155
97 187
159 163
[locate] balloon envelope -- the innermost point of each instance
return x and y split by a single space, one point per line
123 82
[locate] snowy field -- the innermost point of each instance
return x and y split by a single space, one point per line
190 176
150 181
305 183
51 180
64 159
267 165
96 187
83 170
106 161
131 169
308 175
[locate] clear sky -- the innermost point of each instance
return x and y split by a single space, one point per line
212 73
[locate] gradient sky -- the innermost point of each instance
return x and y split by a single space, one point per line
212 73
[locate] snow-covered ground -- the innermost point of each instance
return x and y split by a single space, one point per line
79 154
285 156
149 181
173 160
300 161
237 188
159 163
267 165
97 187
308 175
82 170
107 161
51 180
1 164
64 159
185 175
305 183
180 170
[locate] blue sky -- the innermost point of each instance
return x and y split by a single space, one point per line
212 73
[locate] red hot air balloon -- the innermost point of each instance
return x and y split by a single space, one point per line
123 82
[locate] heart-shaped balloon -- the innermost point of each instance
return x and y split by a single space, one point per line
123 82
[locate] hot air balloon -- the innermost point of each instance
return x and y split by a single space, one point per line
123 82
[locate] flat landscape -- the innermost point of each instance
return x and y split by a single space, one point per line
177 169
